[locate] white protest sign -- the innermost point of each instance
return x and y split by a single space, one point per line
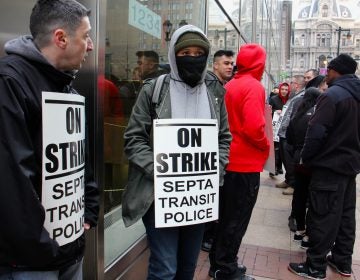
280 120
270 162
276 121
63 165
186 171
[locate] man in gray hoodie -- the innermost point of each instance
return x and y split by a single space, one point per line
188 92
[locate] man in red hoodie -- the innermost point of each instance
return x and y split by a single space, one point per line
249 149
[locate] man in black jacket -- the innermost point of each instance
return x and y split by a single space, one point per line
332 151
38 241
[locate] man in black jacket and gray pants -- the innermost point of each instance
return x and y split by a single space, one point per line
332 151
34 207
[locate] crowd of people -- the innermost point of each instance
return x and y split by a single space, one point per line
315 151
326 169
300 126
317 146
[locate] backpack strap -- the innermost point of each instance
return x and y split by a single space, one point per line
159 81
157 88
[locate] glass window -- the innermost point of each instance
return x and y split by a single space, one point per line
266 22
302 39
302 63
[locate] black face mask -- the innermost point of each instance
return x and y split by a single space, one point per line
191 68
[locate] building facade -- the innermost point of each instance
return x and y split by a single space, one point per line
264 22
321 30
120 28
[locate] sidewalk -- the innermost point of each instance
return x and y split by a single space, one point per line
267 247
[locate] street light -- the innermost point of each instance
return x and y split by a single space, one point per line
348 36
167 25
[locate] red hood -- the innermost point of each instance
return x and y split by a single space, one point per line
284 98
251 60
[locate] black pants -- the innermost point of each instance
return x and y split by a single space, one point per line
286 154
210 231
300 196
331 218
237 199
278 160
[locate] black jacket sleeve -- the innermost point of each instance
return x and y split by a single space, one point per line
91 191
23 239
319 126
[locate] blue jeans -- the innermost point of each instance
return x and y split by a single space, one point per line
173 251
73 272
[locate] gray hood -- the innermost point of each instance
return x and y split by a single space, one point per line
171 54
25 47
187 102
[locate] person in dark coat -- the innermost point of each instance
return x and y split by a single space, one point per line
277 102
34 67
332 152
273 92
295 135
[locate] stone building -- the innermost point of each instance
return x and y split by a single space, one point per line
321 30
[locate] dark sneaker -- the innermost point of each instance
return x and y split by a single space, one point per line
304 270
238 277
298 236
305 242
206 245
342 270
213 273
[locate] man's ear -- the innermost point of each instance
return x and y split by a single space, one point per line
60 38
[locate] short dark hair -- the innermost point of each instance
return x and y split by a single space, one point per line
315 72
299 80
152 55
47 15
220 53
